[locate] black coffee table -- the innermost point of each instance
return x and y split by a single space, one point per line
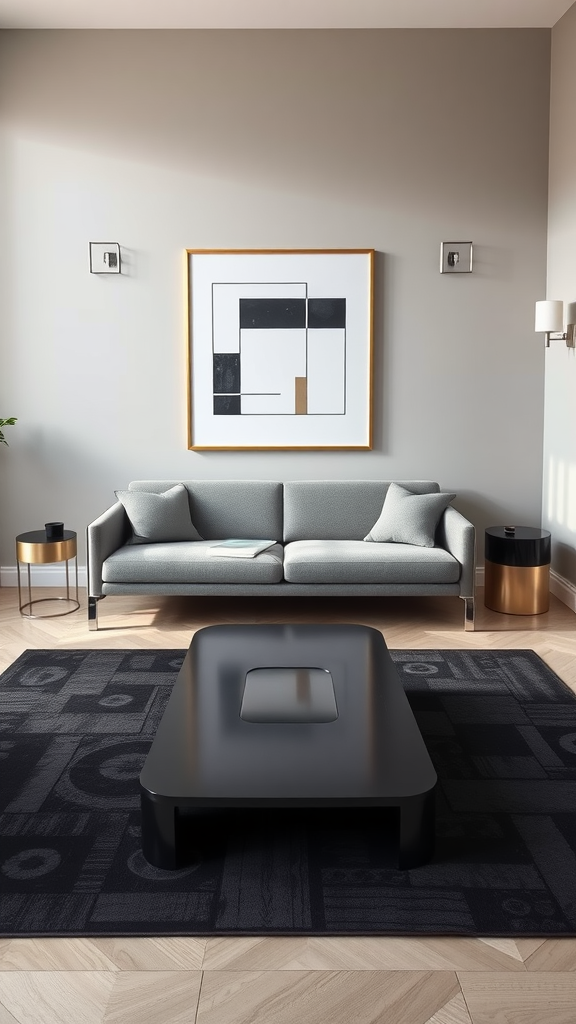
287 716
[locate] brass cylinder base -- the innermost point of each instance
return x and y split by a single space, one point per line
45 552
517 589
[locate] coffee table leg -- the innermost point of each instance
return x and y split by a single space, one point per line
158 832
416 831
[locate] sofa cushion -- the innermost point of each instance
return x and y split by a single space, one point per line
159 517
189 562
408 518
353 561
229 508
336 509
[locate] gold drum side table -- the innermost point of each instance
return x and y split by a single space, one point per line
517 570
34 548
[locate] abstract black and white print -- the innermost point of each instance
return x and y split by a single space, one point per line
280 349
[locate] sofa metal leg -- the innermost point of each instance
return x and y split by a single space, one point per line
469 613
92 613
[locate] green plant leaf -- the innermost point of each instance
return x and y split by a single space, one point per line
6 423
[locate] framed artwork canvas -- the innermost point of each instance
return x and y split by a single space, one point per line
280 348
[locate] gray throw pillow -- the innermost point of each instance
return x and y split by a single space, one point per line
408 518
159 517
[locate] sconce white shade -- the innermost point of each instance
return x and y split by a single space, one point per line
549 316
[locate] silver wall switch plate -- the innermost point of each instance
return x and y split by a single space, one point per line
456 257
104 257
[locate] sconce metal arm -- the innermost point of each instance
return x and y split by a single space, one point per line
569 336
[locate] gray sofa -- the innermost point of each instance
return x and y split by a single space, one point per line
319 526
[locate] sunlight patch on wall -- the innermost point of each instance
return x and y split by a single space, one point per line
561 493
550 491
571 507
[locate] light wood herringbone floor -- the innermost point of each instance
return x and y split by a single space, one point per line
289 980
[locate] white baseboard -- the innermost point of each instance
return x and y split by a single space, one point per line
42 575
563 589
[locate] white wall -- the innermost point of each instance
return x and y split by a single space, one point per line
394 140
559 497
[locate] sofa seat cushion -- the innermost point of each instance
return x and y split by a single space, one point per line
189 562
353 561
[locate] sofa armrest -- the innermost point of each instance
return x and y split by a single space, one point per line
105 535
458 536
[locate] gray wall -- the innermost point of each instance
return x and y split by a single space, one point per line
393 140
559 495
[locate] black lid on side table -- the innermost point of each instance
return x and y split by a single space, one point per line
527 546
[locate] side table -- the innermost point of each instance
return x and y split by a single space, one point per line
33 548
517 570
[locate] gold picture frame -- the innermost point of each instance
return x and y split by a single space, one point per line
279 349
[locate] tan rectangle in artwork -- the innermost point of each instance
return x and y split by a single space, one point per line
301 396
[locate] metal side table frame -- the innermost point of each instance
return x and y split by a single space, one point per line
33 548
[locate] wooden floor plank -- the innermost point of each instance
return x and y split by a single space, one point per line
528 946
6 1017
160 954
153 997
316 997
507 946
454 1012
357 954
554 955
54 955
520 998
56 997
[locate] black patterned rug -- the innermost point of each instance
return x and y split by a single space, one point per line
75 727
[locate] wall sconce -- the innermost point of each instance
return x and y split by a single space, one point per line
550 321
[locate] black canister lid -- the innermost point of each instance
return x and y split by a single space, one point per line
526 546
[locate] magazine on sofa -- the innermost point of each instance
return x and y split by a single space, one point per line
240 548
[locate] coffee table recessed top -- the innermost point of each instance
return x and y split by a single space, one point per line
287 715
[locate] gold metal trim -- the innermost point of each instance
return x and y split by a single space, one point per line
40 553
188 334
188 342
517 589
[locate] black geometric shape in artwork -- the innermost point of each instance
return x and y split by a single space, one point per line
227 405
326 313
226 373
267 314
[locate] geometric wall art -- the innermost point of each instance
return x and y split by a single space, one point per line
279 348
